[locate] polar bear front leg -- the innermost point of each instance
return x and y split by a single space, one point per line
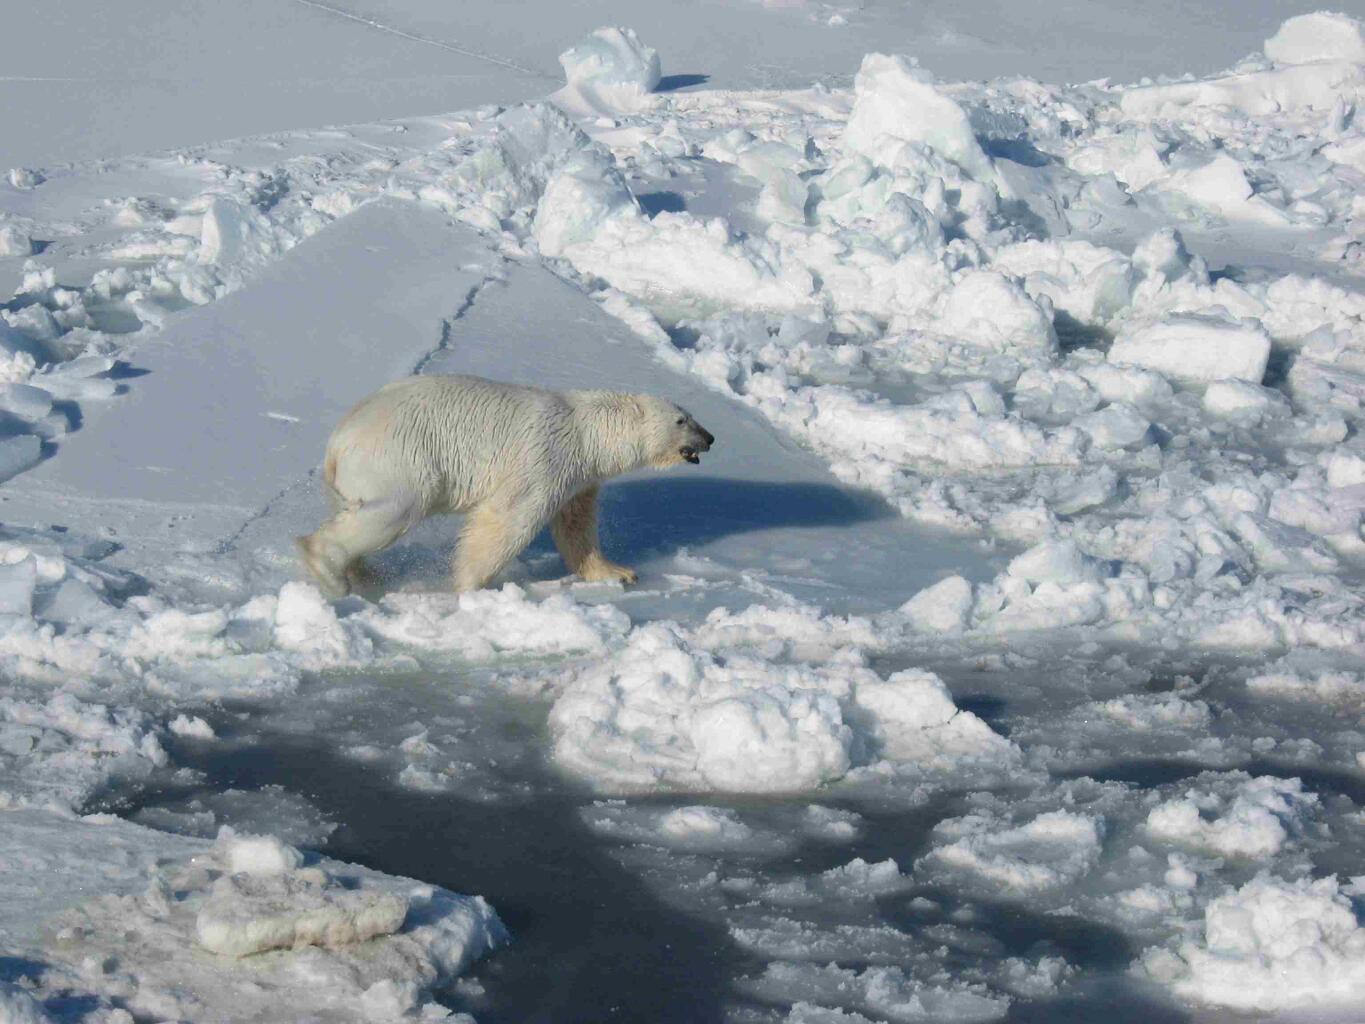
574 528
494 533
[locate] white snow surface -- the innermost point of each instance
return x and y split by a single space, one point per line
667 713
1036 506
1195 348
1323 35
1272 945
1255 821
1052 850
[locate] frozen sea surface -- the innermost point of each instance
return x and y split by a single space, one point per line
1005 660
595 936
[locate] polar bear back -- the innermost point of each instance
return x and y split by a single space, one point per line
448 442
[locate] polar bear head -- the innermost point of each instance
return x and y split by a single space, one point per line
670 434
620 432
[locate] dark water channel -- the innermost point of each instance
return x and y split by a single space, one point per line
592 939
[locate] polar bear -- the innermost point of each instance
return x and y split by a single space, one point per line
509 456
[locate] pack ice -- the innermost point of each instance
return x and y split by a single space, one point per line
1054 702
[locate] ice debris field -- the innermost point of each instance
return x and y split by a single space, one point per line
1004 662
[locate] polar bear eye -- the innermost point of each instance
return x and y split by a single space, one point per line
682 420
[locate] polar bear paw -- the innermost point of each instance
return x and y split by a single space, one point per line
599 570
331 580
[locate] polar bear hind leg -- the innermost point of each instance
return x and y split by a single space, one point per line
494 533
333 552
574 528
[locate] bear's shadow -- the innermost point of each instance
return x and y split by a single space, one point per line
641 517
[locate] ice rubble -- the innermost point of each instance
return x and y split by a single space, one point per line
1020 347
255 907
161 937
897 103
865 250
1322 685
1194 347
1310 38
83 650
610 70
666 712
884 991
887 248
1271 945
1253 821
1052 850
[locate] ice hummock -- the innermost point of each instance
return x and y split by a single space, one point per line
610 70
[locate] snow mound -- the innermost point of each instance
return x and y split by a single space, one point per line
895 102
257 855
192 727
541 176
1271 945
911 717
943 608
266 899
796 632
984 308
1090 282
156 924
1221 186
487 623
1059 561
693 828
1195 347
1255 819
250 914
25 178
659 715
1054 849
610 70
307 626
1323 685
665 714
1056 584
1323 35
14 241
1318 65
1149 712
964 430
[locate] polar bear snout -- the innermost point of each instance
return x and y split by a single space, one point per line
699 440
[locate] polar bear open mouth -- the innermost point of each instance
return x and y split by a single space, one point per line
699 440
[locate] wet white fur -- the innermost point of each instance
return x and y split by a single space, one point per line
511 457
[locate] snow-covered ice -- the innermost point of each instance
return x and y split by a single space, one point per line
663 714
1005 656
610 70
1272 945
128 913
